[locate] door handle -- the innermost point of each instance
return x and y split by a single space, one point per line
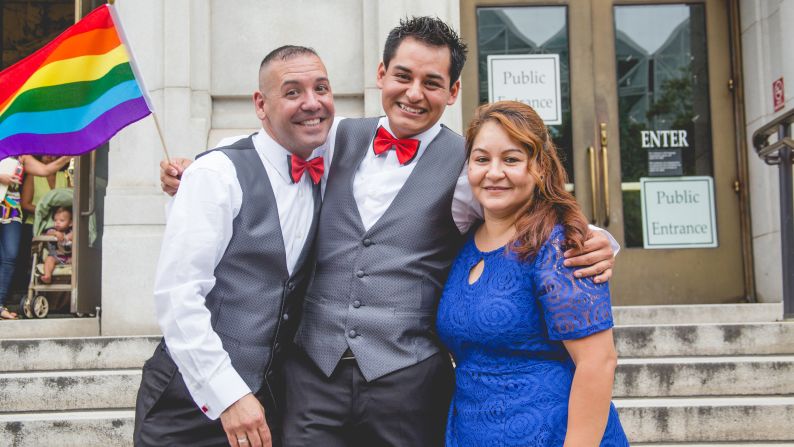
605 171
91 187
593 185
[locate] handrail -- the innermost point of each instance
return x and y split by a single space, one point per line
781 153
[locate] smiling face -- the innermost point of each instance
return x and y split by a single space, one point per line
295 103
501 175
415 87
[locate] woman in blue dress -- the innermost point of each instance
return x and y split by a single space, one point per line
532 343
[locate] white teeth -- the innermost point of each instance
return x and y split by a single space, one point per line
410 109
313 122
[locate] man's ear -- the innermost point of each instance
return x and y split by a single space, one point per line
381 74
453 93
259 104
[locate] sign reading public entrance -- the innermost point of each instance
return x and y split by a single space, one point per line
678 212
533 79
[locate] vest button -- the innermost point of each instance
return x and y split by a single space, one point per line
352 333
290 286
285 317
367 242
356 304
360 273
277 348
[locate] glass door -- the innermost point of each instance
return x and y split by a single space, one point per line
646 129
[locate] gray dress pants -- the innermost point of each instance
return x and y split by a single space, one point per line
166 415
407 408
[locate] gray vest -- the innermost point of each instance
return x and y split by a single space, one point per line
376 291
255 303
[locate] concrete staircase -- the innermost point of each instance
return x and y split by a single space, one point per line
705 375
688 375
70 391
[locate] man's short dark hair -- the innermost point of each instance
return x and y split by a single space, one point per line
430 31
286 52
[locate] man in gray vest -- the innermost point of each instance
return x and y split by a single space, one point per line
236 256
368 369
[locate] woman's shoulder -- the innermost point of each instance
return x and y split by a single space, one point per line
555 241
557 233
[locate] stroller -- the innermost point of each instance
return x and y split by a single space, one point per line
37 302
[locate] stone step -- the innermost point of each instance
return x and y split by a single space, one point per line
75 353
708 420
712 419
49 327
623 315
705 376
668 377
705 340
67 429
68 390
775 338
709 444
698 314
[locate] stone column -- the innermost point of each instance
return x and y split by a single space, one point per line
766 36
170 43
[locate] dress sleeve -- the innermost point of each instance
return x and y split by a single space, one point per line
572 307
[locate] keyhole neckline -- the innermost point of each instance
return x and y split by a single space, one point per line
486 253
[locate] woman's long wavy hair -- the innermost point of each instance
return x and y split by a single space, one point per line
550 203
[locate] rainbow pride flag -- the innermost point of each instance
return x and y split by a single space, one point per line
73 94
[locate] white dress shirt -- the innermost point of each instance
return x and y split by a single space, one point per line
197 233
379 178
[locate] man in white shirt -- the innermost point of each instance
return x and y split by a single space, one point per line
233 267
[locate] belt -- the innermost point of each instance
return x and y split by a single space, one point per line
348 355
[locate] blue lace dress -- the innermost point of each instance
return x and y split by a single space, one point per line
513 375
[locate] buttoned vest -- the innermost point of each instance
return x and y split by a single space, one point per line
376 291
255 303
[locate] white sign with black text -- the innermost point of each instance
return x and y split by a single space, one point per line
678 212
533 79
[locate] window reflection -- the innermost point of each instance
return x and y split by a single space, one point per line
662 79
529 30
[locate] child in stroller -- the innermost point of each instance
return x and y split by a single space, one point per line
59 251
48 254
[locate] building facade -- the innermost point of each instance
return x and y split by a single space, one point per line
652 103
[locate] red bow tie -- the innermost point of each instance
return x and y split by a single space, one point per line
297 166
406 148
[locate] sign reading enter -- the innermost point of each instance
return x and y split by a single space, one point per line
678 212
533 79
664 151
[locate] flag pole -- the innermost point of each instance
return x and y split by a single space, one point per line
139 78
162 140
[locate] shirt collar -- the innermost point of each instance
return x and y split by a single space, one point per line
425 138
273 153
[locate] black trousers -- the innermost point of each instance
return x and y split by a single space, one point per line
166 415
407 408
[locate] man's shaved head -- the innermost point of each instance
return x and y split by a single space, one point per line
283 53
